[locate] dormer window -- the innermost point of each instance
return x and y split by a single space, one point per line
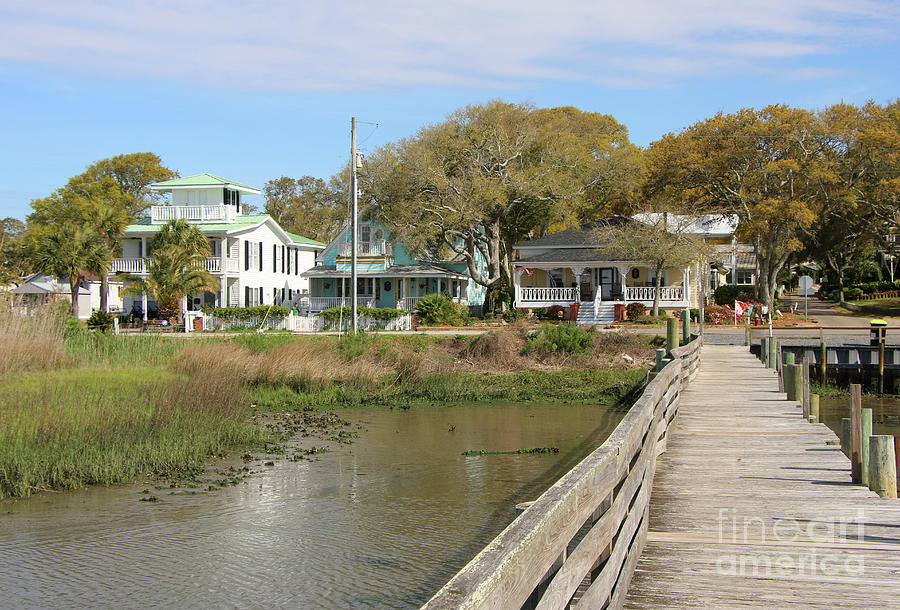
233 198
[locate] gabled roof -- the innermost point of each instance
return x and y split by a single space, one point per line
299 239
41 283
202 180
570 255
577 237
721 225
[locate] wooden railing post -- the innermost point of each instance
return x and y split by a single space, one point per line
866 434
773 353
671 334
856 432
813 408
686 326
804 376
882 466
846 432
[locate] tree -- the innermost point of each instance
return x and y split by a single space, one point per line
133 174
70 252
765 166
663 240
108 222
307 205
14 260
177 270
483 179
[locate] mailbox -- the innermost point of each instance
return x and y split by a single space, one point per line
878 332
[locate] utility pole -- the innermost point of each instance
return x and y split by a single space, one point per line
354 221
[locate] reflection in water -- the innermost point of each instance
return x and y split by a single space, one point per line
383 522
885 413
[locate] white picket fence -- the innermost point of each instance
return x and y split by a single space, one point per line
294 323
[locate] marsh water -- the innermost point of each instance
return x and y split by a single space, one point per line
382 522
885 412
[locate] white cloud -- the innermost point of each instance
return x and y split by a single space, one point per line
315 45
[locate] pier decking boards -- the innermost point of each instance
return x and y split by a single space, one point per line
751 507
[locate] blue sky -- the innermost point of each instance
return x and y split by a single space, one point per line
254 90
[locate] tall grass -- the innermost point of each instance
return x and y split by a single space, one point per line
71 428
31 343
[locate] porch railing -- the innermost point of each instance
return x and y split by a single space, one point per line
161 214
366 248
646 293
409 303
323 303
548 295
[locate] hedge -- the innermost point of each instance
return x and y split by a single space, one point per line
335 314
275 312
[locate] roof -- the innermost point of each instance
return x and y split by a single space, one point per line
420 270
569 255
702 224
577 237
299 239
201 180
143 225
39 283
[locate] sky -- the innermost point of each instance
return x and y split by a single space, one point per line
253 90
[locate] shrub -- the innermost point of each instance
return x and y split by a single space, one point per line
514 315
275 312
100 320
439 309
635 311
336 314
727 295
851 294
719 314
567 337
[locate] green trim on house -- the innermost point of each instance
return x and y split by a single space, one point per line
143 226
200 180
299 239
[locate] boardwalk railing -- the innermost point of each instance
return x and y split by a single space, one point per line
539 560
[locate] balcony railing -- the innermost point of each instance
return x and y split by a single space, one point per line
548 295
213 264
161 214
365 248
130 265
646 293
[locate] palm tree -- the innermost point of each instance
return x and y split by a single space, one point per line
69 252
176 269
109 222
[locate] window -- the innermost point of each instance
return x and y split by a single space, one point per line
365 287
274 258
365 233
260 260
745 278
252 256
555 278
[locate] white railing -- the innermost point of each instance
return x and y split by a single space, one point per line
295 323
232 264
323 303
212 264
365 248
161 214
548 295
130 265
409 303
646 293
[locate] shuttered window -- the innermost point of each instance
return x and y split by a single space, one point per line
246 256
260 257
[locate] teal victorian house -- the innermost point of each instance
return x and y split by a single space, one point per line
387 274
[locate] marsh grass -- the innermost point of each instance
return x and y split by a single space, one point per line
32 343
70 428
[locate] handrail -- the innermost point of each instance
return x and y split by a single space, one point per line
609 490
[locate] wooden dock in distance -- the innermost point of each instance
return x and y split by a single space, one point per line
751 505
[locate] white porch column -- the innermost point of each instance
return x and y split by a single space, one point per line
577 271
623 272
686 283
223 251
223 291
517 285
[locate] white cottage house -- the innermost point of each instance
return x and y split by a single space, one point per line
256 261
567 267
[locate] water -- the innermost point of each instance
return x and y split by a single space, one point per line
885 413
383 522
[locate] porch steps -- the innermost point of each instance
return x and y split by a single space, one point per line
605 314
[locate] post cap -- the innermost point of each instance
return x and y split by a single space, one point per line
877 323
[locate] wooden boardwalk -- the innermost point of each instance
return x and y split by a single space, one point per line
752 506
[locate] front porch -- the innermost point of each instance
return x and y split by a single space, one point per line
599 285
395 288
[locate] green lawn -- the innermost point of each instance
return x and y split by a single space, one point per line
884 307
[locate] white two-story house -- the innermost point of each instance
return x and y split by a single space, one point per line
256 261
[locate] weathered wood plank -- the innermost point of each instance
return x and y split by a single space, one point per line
744 476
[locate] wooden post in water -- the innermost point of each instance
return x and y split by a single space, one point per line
856 432
866 434
764 350
793 382
845 435
804 376
685 326
813 407
671 334
785 358
773 353
660 356
747 331
823 356
882 466
881 367
788 358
